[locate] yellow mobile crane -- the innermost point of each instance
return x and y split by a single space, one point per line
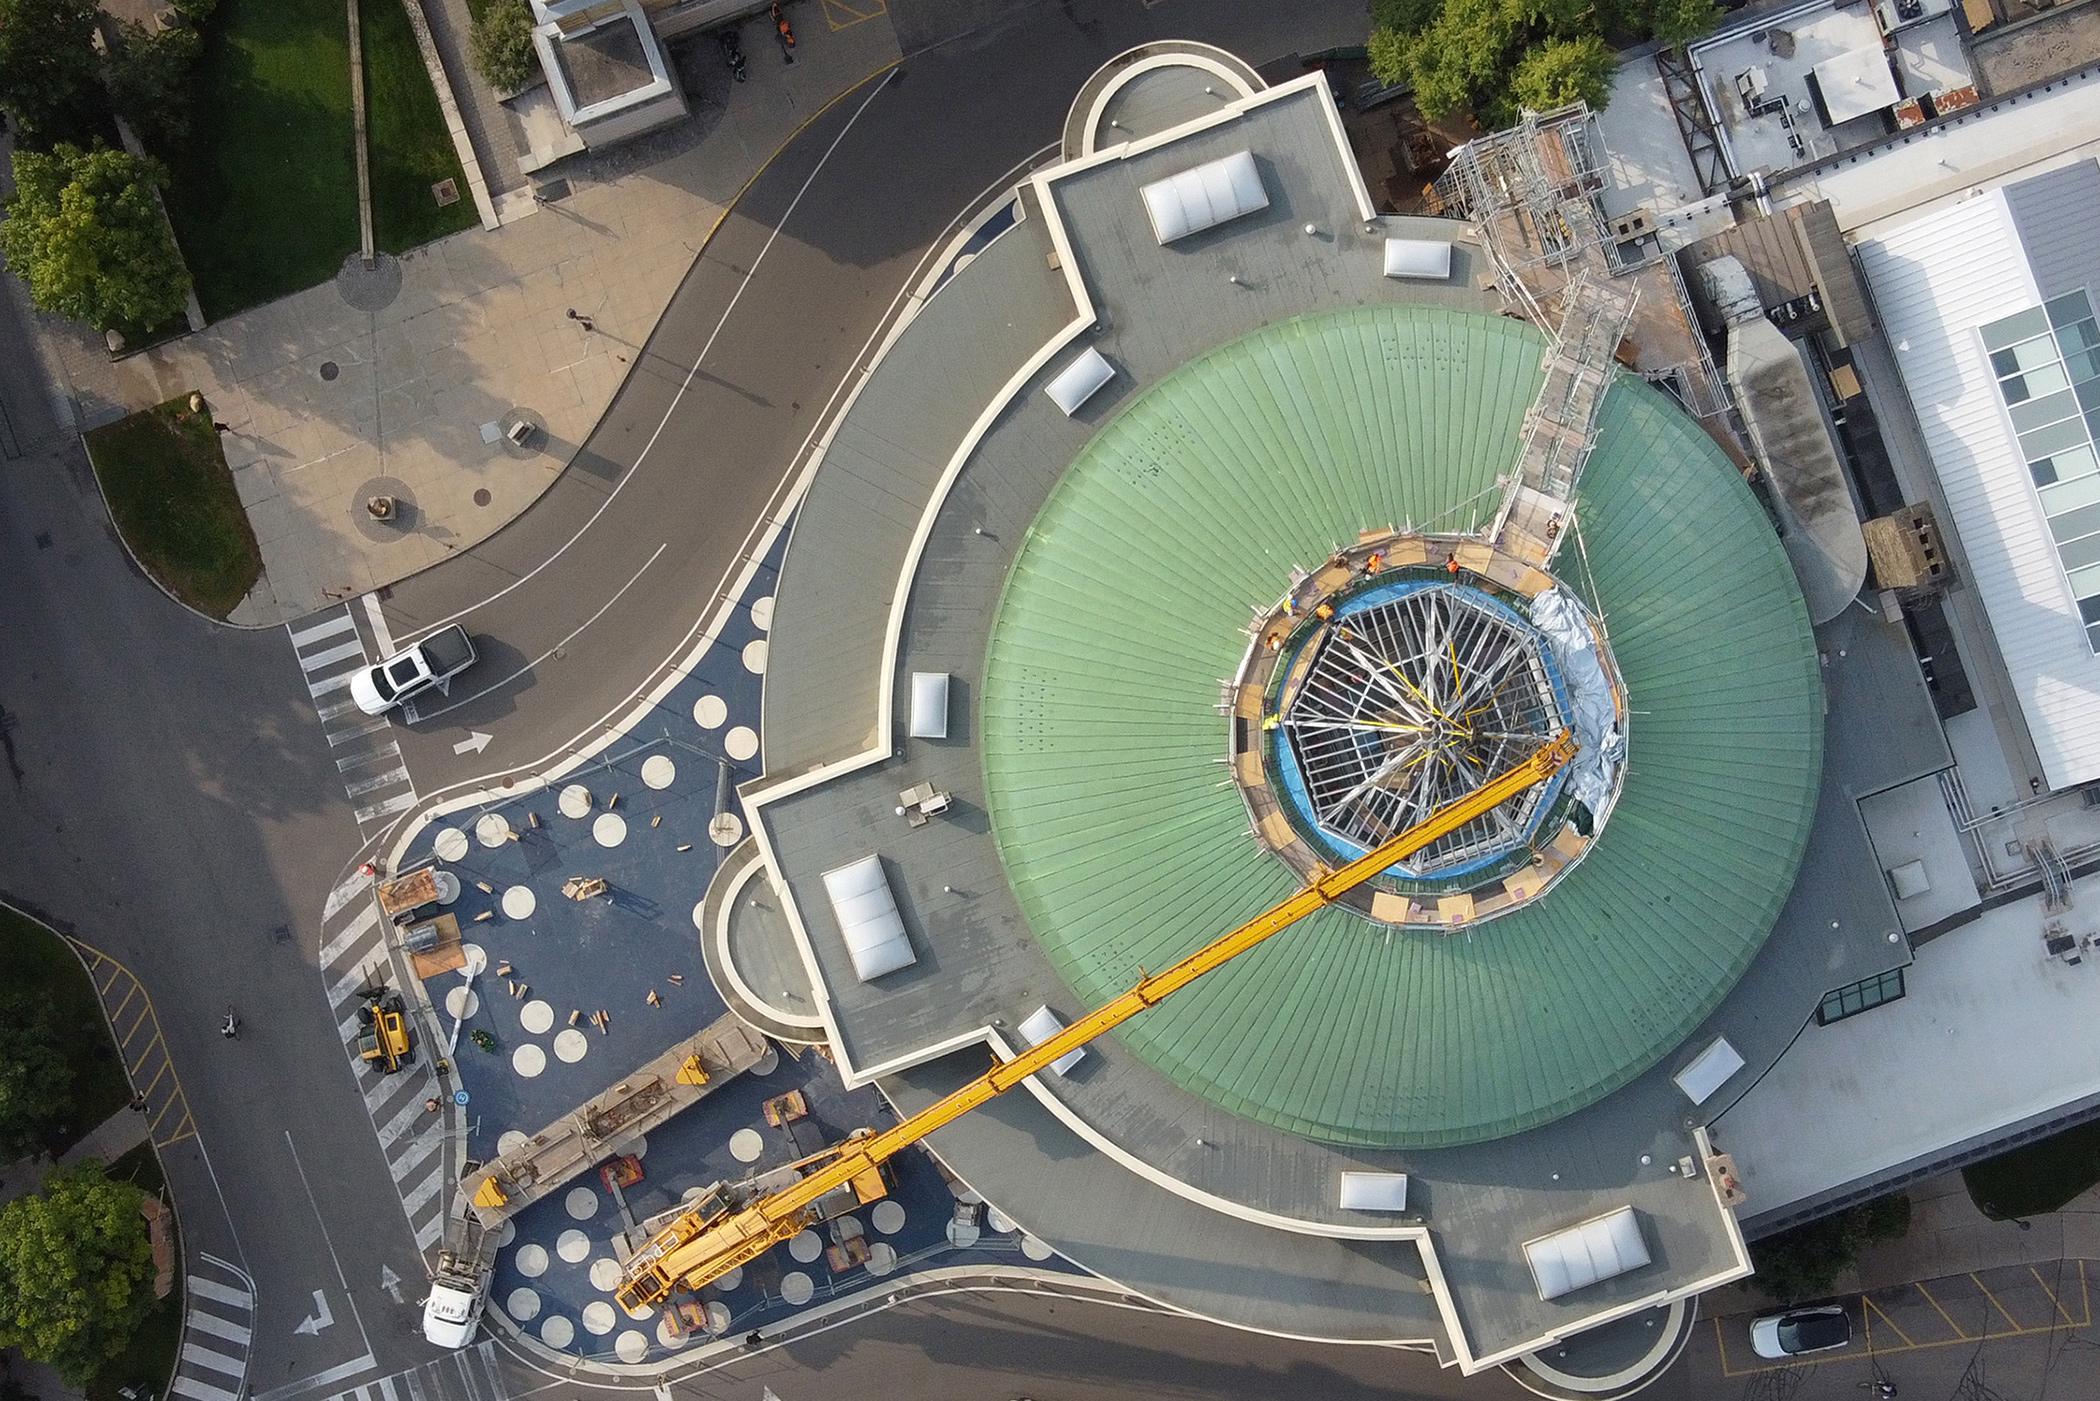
704 1244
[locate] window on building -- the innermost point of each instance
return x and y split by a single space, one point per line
2047 361
1854 998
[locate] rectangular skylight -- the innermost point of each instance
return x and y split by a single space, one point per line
866 908
1204 197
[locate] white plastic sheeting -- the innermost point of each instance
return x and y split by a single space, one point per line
1204 197
1076 383
1418 257
866 908
929 705
1042 1024
1595 718
1599 1248
1374 1191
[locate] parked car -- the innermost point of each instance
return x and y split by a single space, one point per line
429 665
1822 1329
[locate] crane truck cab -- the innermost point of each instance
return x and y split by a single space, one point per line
383 1040
429 665
458 1292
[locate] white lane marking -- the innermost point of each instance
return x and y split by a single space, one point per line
202 1322
386 1389
216 1361
353 931
377 619
356 978
337 738
415 1201
343 894
331 655
396 1126
393 804
316 1381
200 1391
219 1293
329 712
690 375
341 622
428 1233
486 690
334 683
390 750
397 774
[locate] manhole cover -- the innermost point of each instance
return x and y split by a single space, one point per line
482 497
329 369
445 192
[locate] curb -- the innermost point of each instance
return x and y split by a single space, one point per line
95 470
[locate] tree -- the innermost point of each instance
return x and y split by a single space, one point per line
76 1271
149 79
36 1083
1802 1263
88 236
1560 71
49 79
1675 23
502 44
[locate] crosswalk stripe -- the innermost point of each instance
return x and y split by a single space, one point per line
202 1322
428 1233
341 622
384 1091
390 750
393 804
216 1361
351 887
200 1391
330 656
421 1149
415 1201
394 1127
355 930
386 1384
218 1293
356 978
334 708
340 737
322 687
397 774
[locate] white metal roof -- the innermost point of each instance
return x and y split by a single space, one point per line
1857 83
1936 280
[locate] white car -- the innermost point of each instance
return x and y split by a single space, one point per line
452 1312
429 665
1797 1331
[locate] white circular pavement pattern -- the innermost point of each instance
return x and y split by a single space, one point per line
795 1287
450 844
639 1149
528 1060
609 830
717 1317
725 829
598 1317
492 830
519 902
740 743
605 1274
511 1142
762 613
532 1261
767 1063
1035 1249
665 1338
806 1247
631 1346
709 712
745 1145
888 1217
477 960
570 1045
581 1203
755 657
731 1280
573 1246
575 800
658 771
509 1232
557 1332
523 1305
536 1016
882 1258
448 885
461 1002
999 1221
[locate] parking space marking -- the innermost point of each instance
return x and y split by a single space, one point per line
1964 1337
1876 1308
148 1066
2002 1310
2044 1284
833 9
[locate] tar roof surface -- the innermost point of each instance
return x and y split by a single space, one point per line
1127 848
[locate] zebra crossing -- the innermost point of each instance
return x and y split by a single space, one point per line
354 956
331 649
216 1327
469 1374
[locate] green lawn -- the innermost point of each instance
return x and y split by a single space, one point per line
265 198
173 499
36 960
150 1360
2037 1178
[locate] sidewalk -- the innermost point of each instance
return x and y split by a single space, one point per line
401 381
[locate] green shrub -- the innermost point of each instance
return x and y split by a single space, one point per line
76 1271
502 44
1804 1262
149 80
85 233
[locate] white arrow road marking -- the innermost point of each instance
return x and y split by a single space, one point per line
390 1282
475 741
317 1320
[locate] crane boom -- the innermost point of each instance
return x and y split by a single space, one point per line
695 1249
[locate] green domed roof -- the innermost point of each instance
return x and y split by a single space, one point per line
1128 846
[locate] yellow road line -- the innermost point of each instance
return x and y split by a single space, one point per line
1944 1314
2017 1328
1907 1339
1721 1344
166 1066
118 1010
859 16
2052 1296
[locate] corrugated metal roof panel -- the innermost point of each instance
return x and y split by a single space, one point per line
1128 849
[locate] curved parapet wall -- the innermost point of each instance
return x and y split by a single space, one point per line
1127 847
